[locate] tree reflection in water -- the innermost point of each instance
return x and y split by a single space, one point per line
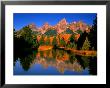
59 59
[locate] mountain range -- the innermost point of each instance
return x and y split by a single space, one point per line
61 27
62 30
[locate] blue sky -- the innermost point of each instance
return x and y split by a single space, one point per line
23 19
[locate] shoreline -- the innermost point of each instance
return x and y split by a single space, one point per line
77 52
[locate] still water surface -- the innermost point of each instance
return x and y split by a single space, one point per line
54 62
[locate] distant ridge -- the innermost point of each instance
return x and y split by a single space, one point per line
61 27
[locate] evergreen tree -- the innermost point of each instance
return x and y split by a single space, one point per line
62 42
79 31
81 40
41 42
93 35
47 41
54 42
74 46
34 41
27 34
26 37
86 45
72 38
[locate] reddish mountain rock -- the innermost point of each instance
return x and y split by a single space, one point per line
61 27
33 27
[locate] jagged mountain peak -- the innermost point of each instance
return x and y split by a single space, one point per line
63 21
61 26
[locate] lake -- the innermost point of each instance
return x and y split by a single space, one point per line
54 62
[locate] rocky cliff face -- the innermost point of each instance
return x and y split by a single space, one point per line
61 27
44 28
33 27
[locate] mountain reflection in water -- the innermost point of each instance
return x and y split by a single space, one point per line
54 62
